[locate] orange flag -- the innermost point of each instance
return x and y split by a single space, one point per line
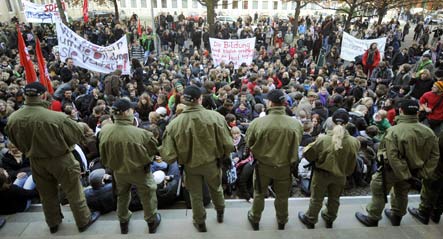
44 75
25 59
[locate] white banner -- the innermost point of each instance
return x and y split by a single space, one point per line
105 59
238 51
352 47
41 13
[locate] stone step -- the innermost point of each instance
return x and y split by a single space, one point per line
177 223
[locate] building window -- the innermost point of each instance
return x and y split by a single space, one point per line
8 2
154 3
235 4
294 5
123 3
254 4
225 4
174 3
245 4
275 5
285 6
194 4
143 4
184 3
264 5
164 4
134 3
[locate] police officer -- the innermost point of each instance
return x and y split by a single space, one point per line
431 194
128 151
274 141
47 138
198 139
333 157
409 149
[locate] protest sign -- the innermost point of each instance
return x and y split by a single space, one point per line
352 47
41 13
104 59
238 51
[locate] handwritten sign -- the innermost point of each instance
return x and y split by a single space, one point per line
85 54
37 13
236 51
352 47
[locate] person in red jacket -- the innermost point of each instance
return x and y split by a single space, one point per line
371 58
431 102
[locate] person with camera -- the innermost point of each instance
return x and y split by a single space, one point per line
128 151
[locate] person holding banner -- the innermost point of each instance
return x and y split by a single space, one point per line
371 59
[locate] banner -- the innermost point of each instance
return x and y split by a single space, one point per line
238 51
352 47
85 11
104 59
25 59
41 13
45 80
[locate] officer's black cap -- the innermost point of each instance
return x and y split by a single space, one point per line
122 105
34 89
409 107
276 96
340 116
192 93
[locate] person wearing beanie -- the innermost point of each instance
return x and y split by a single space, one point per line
333 158
200 140
432 103
273 140
409 150
129 151
30 129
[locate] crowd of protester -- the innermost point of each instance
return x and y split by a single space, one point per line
306 65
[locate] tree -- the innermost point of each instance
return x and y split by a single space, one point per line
210 14
299 5
100 2
61 11
383 6
351 8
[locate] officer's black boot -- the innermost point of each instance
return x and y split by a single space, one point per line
2 222
220 215
327 222
200 227
92 219
395 219
153 225
305 220
255 225
419 215
435 216
365 220
124 227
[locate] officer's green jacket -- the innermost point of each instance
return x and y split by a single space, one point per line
274 139
124 147
196 137
340 162
438 174
410 146
42 133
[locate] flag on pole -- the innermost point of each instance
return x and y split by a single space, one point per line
44 75
139 28
85 11
25 59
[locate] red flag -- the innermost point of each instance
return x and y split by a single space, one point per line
85 11
139 28
25 59
44 75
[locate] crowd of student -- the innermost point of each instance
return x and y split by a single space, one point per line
306 65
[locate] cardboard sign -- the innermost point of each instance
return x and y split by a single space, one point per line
236 51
